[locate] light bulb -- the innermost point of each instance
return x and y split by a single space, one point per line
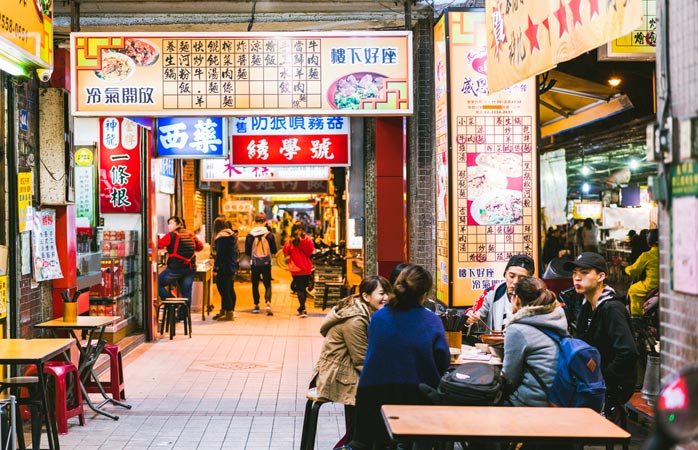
614 81
585 188
586 170
634 164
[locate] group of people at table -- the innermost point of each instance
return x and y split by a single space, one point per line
381 343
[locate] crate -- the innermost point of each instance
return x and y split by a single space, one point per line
324 275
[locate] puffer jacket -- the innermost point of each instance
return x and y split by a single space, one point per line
343 351
525 344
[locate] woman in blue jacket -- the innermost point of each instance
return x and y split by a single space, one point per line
406 346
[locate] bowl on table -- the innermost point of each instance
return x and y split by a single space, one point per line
493 339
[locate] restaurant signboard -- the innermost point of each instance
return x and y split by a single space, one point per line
177 74
640 44
528 38
191 137
26 35
223 170
292 140
119 166
492 160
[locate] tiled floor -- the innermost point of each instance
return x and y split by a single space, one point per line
233 385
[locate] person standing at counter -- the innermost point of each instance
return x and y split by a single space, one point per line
406 346
261 246
225 266
648 262
494 306
181 245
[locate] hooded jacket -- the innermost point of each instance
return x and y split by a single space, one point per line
496 307
343 351
299 262
227 253
260 231
609 329
526 344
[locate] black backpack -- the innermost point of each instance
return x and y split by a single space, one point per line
469 384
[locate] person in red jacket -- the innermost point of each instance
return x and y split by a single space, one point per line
298 249
181 245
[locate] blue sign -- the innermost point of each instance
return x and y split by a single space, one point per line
192 137
23 120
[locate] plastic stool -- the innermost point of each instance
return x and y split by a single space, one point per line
115 384
170 307
312 410
29 386
60 371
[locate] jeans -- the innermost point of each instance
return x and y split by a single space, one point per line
226 287
185 276
301 282
263 272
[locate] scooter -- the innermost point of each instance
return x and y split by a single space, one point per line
676 411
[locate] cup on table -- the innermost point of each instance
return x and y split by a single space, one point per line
70 311
483 348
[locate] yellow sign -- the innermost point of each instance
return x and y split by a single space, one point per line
493 163
3 296
24 189
642 40
255 73
528 38
26 32
84 157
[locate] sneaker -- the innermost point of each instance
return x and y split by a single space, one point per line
219 315
303 314
268 309
256 309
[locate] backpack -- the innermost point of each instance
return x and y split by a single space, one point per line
578 381
261 254
469 384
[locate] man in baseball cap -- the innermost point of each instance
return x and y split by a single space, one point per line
604 322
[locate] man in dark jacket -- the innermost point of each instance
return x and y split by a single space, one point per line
181 245
261 247
604 322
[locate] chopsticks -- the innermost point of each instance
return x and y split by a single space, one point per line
452 320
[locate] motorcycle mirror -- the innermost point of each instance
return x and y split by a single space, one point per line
676 410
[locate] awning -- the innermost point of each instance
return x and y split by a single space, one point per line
569 102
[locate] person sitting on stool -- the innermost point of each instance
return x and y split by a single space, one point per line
181 245
648 262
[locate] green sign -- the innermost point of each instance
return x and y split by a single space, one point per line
684 179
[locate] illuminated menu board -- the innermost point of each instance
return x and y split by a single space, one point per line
171 74
492 162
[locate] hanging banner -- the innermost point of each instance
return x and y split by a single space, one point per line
192 137
119 166
278 187
24 191
528 38
223 170
3 296
493 164
45 256
26 33
85 184
177 74
294 140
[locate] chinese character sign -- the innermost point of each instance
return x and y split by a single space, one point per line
191 137
27 31
220 74
24 191
294 140
120 166
45 261
525 38
3 296
223 170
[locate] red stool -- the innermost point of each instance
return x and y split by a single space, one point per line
115 384
60 371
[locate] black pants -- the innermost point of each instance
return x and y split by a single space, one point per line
263 272
226 287
301 282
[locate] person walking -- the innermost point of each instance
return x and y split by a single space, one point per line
345 330
406 346
181 245
604 322
298 248
225 266
260 245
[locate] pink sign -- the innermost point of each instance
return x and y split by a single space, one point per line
119 166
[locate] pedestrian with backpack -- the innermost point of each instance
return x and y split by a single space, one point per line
260 245
298 249
225 266
604 322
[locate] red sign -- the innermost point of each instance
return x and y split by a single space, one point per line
290 150
119 166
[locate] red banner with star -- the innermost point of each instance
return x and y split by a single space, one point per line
119 166
528 38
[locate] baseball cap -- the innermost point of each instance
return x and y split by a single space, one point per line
588 260
524 261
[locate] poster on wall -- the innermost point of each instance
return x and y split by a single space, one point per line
190 74
493 164
84 184
45 263
24 191
442 168
3 296
119 166
684 222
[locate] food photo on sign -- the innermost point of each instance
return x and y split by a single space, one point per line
495 188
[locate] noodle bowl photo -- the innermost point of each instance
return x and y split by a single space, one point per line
115 67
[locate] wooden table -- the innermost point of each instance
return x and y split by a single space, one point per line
501 423
37 351
89 353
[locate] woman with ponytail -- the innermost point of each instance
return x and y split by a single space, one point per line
527 346
406 346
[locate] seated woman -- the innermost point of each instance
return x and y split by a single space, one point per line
345 329
526 346
648 262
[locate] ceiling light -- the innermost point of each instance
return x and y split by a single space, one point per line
585 188
586 170
614 81
634 164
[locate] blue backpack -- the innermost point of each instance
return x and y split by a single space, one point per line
578 382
